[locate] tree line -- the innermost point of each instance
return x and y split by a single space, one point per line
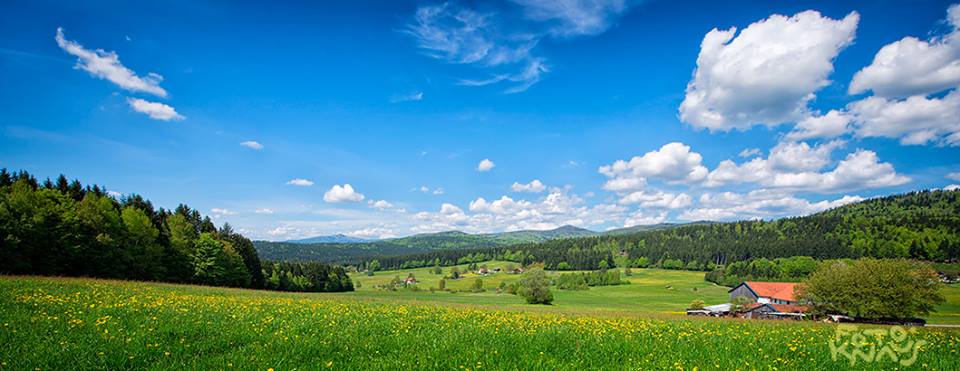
923 225
62 228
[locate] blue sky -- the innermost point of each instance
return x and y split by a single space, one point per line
382 119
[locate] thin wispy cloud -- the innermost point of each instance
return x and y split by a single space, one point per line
300 182
461 35
106 65
569 18
411 97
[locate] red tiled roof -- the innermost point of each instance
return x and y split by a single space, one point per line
775 290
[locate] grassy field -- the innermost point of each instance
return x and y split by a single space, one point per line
51 323
651 292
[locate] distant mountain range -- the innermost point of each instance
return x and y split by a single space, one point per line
340 247
336 238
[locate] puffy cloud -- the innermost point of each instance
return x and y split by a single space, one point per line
438 191
859 170
767 73
750 152
757 204
380 204
952 187
485 165
300 182
912 66
674 163
833 124
505 205
535 186
641 218
574 17
156 110
263 210
799 156
954 176
106 65
915 120
344 193
551 211
657 199
252 144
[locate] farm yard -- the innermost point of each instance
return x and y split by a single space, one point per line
102 324
651 292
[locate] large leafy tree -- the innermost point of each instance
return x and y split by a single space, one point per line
873 288
141 250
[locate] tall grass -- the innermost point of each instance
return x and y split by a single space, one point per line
96 324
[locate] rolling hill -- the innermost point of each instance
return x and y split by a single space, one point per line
449 240
336 238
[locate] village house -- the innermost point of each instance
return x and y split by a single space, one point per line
772 300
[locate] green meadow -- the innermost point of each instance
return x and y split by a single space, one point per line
651 292
69 323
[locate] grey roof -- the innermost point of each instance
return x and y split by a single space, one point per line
719 307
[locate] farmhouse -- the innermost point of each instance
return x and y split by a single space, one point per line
772 300
766 292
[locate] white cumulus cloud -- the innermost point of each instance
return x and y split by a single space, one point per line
485 165
915 120
344 193
833 124
657 199
859 170
106 65
757 204
673 163
767 73
535 186
912 66
380 204
252 144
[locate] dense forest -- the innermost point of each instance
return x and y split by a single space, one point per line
61 228
922 225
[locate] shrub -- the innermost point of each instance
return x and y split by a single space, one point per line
535 287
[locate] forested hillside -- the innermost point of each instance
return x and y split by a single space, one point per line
922 225
62 228
452 240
